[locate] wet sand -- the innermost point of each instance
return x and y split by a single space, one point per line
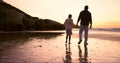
103 47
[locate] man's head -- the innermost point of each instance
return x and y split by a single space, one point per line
86 7
69 16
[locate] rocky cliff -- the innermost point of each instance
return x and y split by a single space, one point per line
13 19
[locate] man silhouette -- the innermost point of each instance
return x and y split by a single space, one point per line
86 19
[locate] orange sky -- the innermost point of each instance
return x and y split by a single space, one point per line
112 24
105 13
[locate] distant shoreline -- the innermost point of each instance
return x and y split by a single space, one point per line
63 31
44 31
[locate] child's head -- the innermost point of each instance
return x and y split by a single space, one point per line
69 16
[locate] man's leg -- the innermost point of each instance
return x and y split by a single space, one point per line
86 34
80 34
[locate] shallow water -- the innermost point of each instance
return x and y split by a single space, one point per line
37 47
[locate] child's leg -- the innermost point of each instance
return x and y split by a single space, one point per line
66 37
69 38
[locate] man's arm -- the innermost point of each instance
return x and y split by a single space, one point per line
90 21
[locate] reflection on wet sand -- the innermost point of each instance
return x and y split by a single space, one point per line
83 59
80 54
51 48
10 40
68 58
21 36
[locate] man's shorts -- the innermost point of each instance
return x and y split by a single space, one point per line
69 32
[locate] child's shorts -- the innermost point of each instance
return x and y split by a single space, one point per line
69 32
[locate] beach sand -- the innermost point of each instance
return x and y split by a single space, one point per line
103 47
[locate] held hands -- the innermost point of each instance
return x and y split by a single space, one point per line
90 26
77 24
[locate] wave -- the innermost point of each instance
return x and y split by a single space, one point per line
107 29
